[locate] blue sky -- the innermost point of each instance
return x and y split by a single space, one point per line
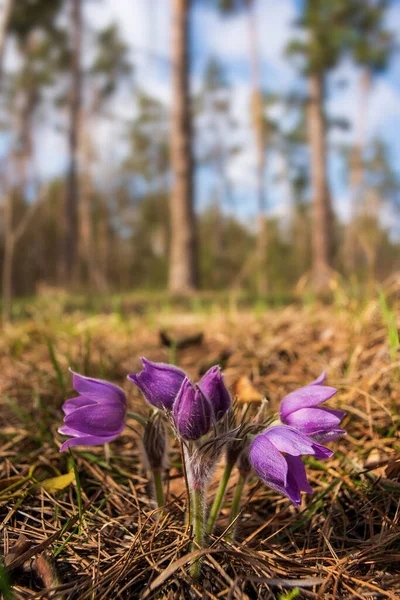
146 28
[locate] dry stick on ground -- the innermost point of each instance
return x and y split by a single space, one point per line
39 548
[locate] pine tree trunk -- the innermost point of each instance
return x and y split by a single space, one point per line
259 135
72 186
183 251
356 173
87 247
104 242
321 206
7 260
22 158
4 21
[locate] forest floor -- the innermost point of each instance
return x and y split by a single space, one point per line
96 533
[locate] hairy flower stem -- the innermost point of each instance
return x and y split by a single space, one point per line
185 476
158 487
236 506
214 512
198 530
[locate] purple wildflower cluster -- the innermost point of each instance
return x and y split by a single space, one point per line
98 415
194 406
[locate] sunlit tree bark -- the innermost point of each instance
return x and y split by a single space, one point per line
72 183
4 21
260 144
322 227
12 235
183 254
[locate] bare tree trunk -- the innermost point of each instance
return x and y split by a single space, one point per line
259 133
7 259
356 173
322 212
4 21
104 242
72 187
183 255
86 241
23 156
12 235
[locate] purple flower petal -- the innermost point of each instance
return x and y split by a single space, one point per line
321 452
96 416
89 440
289 440
65 430
313 420
268 463
73 403
213 387
340 414
320 380
306 397
328 436
159 383
284 473
192 412
97 419
297 479
97 390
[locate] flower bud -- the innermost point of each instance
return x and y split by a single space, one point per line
243 463
192 412
155 442
159 383
213 387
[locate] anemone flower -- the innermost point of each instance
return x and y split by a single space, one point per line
159 383
94 417
301 409
276 455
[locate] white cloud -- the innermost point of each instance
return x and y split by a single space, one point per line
383 104
144 25
227 37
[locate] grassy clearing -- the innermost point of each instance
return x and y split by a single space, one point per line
102 536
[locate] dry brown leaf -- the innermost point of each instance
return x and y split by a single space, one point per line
245 390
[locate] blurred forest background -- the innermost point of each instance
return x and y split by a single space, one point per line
198 144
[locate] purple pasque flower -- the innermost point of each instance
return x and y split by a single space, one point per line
276 457
159 383
192 412
301 409
94 417
213 387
